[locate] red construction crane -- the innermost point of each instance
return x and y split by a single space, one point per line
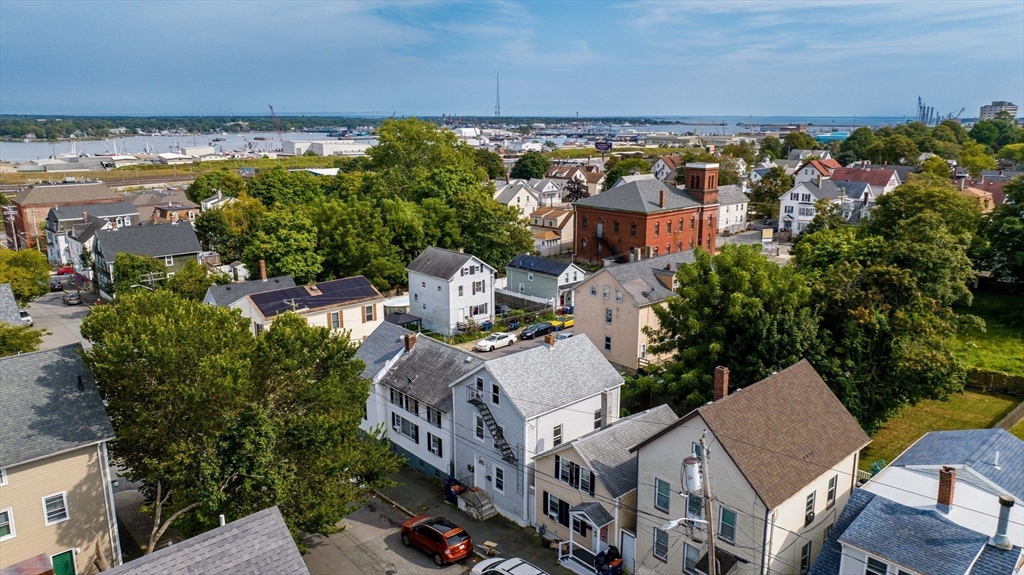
277 125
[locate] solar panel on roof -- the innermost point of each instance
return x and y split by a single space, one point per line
331 292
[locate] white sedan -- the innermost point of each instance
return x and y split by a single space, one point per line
503 566
494 341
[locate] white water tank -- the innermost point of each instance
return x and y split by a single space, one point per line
691 470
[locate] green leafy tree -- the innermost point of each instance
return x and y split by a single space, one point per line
765 193
625 167
16 339
229 229
491 231
279 186
1012 152
827 216
27 271
974 157
208 184
491 163
736 309
354 240
771 146
857 144
287 242
798 141
412 147
746 151
1003 231
192 281
893 149
935 166
959 214
530 165
576 190
130 269
960 135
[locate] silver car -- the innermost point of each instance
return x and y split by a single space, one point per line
26 318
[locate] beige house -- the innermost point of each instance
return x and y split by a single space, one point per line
350 304
586 488
552 230
781 458
56 502
616 303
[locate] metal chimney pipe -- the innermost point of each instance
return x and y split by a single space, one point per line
1000 539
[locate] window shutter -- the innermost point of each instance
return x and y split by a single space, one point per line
440 448
574 475
545 503
558 467
483 286
474 288
329 323
363 313
593 479
563 513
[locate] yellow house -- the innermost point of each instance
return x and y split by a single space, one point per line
614 305
586 488
56 499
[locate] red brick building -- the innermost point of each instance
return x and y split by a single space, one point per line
32 205
650 215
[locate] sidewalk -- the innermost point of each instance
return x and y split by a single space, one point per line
419 495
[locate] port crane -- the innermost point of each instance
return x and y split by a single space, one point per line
277 125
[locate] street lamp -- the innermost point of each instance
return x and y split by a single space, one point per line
670 525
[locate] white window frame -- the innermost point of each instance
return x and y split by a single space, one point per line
67 512
654 546
608 315
606 292
335 320
805 557
431 439
3 476
693 571
556 435
553 501
10 523
618 296
461 288
478 429
593 290
597 419
579 526
529 276
495 394
434 417
721 521
607 343
168 261
868 569
658 483
830 495
499 477
699 513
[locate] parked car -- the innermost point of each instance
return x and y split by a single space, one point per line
563 335
501 309
512 324
72 299
505 566
445 541
26 318
563 321
56 286
66 271
495 340
537 330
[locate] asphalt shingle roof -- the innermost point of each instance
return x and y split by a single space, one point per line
54 194
974 448
9 310
875 176
253 545
996 561
74 212
831 552
595 511
224 295
641 196
927 543
606 451
425 373
543 378
153 241
439 263
731 195
538 264
639 279
42 410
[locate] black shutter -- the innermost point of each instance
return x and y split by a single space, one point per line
593 479
563 513
574 475
545 503
558 467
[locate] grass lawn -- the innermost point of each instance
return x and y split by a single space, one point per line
1018 430
969 410
1001 346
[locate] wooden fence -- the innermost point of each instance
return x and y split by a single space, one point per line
1001 382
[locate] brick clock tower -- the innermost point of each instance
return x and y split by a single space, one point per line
702 186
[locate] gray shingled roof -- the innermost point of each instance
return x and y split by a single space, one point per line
74 212
425 373
927 543
53 194
974 448
638 278
538 264
42 410
829 558
253 545
543 378
641 196
155 241
225 295
9 311
595 512
996 561
606 451
507 192
439 263
731 195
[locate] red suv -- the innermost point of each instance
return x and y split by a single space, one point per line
444 540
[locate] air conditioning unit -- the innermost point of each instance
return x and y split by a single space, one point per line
397 428
809 518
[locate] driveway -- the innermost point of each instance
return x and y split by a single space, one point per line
520 345
371 544
62 321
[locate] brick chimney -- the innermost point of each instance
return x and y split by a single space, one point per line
721 382
702 182
263 270
664 193
550 339
947 481
410 341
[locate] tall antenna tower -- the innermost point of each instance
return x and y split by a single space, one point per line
497 96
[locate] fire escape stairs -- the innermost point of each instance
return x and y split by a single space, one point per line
507 453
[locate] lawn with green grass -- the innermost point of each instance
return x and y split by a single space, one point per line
1001 346
1018 430
967 410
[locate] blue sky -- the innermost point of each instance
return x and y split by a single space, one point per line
596 58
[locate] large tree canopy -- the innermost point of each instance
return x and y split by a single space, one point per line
530 165
27 271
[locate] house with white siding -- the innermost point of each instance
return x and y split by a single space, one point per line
511 408
780 458
732 209
410 395
448 287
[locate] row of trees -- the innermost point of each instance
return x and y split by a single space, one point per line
869 306
418 187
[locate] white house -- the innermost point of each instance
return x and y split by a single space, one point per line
449 287
549 191
514 407
796 207
665 166
804 154
781 456
814 169
215 201
517 194
732 209
410 376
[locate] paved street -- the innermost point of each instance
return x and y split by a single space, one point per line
371 544
502 352
62 321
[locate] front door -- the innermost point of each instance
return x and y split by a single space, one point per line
628 551
480 473
64 563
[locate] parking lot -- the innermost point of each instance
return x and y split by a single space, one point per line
371 544
63 322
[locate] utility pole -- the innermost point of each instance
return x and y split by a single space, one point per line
709 508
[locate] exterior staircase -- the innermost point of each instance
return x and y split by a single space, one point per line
476 397
478 504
